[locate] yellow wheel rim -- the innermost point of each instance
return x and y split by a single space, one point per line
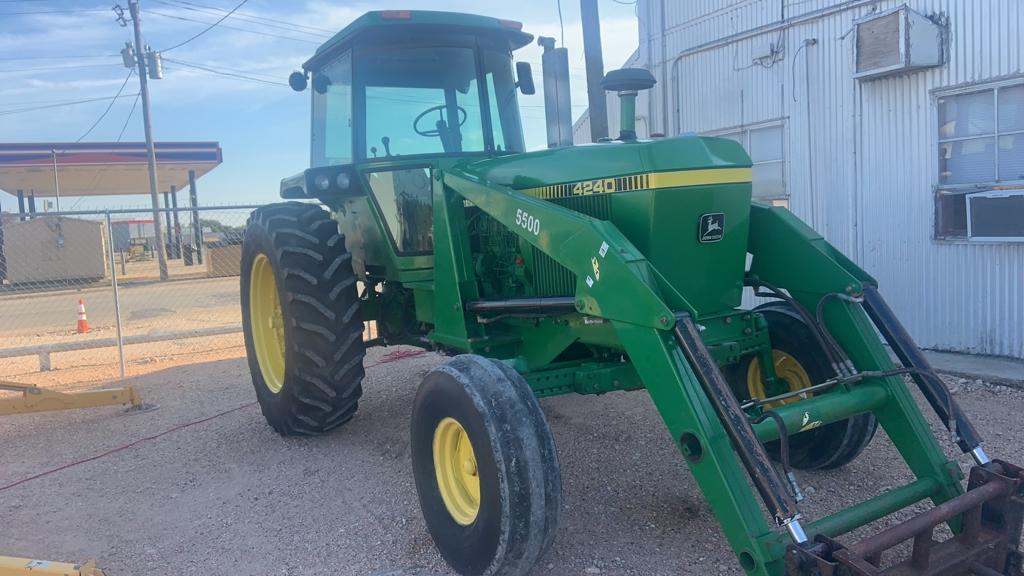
786 368
267 323
455 467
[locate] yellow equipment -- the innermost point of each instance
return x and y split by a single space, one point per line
35 399
11 566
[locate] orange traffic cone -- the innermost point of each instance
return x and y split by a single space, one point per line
83 320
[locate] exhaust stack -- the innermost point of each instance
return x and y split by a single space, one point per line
557 101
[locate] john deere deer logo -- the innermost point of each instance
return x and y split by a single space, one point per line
711 227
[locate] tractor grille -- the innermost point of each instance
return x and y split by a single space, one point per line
551 278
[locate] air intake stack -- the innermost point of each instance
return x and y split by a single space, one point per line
628 82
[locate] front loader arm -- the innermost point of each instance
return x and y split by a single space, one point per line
616 282
790 255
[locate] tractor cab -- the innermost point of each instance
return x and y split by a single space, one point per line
400 84
396 95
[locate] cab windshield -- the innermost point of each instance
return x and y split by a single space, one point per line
384 100
430 100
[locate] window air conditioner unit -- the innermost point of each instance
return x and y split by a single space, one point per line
896 42
996 216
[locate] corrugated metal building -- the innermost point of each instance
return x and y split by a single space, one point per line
881 160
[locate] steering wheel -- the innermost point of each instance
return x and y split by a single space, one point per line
433 133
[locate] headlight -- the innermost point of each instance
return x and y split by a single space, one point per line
342 180
322 182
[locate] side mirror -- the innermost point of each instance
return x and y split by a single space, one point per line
321 83
524 78
297 80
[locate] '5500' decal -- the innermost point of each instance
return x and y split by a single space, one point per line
527 222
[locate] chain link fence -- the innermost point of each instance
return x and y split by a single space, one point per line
54 264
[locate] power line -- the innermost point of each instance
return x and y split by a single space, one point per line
60 105
73 67
207 29
34 101
253 16
224 26
226 74
109 106
258 20
229 76
96 175
129 118
66 57
227 69
66 11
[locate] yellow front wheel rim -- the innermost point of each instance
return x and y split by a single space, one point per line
786 368
455 467
267 323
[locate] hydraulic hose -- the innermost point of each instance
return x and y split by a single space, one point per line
783 450
835 357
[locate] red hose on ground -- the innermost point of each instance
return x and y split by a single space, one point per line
393 356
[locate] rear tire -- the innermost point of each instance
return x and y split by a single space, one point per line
305 354
485 468
825 447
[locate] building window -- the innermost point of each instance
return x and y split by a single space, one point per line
766 147
981 146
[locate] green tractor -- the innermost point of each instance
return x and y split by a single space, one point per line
614 266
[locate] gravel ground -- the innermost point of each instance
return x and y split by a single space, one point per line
228 496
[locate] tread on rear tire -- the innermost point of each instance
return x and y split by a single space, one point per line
322 328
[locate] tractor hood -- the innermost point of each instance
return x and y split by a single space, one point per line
591 162
683 202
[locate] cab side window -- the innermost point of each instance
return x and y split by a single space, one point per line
404 198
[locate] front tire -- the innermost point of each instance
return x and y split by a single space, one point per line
300 317
485 468
800 363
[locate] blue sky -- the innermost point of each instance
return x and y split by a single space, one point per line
54 51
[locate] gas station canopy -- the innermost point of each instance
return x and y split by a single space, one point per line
101 168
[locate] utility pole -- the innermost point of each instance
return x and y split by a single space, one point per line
596 97
140 60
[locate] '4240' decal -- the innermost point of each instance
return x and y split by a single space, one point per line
599 186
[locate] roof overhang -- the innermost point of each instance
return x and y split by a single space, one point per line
102 168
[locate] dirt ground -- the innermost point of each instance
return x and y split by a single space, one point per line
203 486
